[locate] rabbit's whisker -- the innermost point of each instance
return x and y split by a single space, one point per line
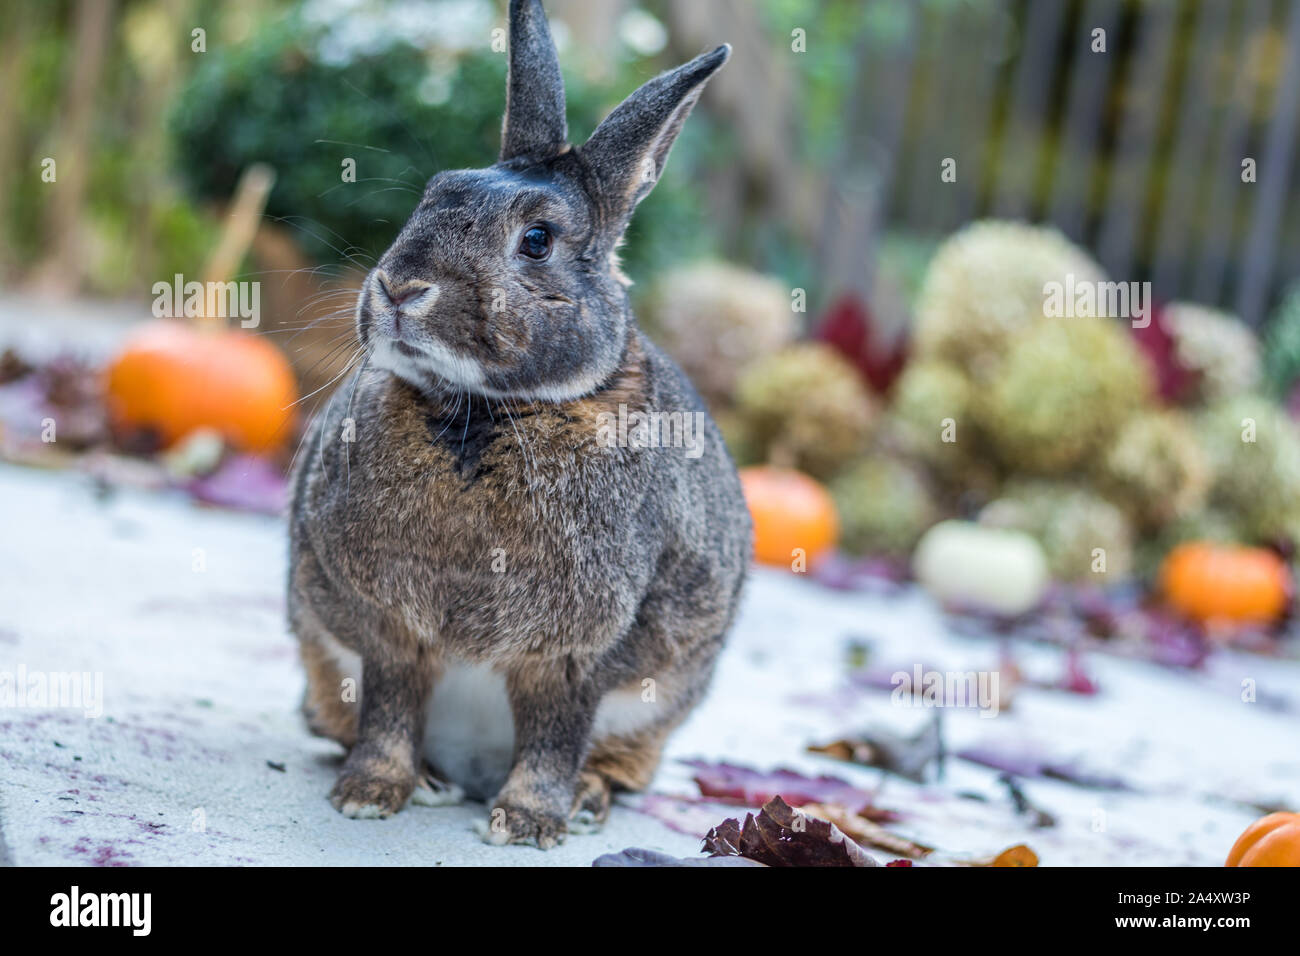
343 341
293 461
345 371
352 254
347 452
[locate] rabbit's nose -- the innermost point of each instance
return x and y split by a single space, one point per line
399 295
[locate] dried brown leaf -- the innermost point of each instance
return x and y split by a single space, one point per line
866 832
1018 855
782 836
908 756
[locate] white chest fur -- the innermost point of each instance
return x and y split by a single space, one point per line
469 733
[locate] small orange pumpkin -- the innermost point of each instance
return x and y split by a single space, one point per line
172 378
1273 840
791 511
1217 582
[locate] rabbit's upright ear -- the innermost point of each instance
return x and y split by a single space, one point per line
535 121
628 150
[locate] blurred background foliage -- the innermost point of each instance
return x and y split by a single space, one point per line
804 166
831 294
305 100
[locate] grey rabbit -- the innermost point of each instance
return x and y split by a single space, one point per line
502 585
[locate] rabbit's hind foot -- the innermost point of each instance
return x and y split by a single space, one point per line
590 803
432 791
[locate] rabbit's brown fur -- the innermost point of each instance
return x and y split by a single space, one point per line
461 518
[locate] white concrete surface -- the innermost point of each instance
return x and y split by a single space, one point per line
179 609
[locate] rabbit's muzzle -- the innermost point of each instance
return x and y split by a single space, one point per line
401 311
409 328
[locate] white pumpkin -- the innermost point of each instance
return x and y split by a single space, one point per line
991 569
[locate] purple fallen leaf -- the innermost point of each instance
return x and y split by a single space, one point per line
1026 761
1173 642
22 407
1075 679
842 701
874 574
690 815
246 483
65 389
725 781
886 678
638 857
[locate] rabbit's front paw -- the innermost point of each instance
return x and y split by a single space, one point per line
362 793
531 823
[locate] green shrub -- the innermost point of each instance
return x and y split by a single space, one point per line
402 114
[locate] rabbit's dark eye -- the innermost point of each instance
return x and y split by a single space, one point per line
536 242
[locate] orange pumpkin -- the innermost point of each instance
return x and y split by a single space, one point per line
1217 582
791 511
172 378
1273 840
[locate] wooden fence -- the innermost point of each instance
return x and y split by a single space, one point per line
1160 134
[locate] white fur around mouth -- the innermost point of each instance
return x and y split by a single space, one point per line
573 389
440 361
437 359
